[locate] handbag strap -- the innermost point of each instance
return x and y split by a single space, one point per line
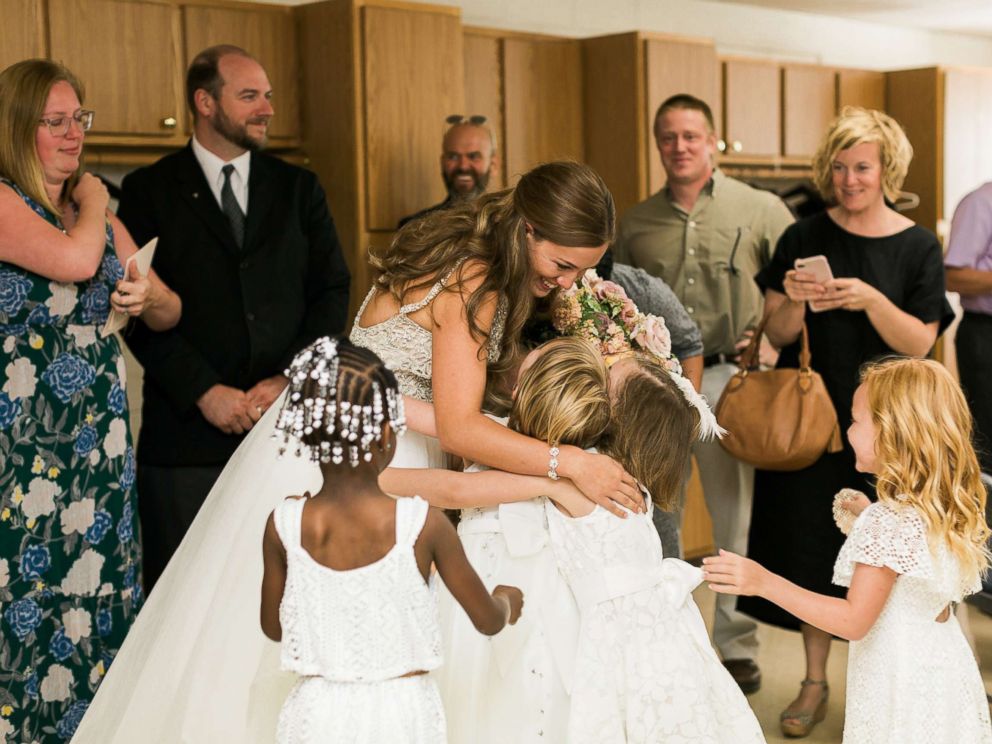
749 359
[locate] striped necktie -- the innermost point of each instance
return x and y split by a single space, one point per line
232 210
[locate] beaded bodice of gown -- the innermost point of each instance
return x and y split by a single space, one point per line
366 624
405 346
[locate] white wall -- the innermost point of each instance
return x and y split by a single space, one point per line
737 29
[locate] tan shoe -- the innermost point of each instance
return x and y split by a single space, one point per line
797 724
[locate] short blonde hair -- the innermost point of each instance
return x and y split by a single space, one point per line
925 457
855 126
563 398
24 89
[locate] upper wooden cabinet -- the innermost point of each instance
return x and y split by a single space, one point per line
627 76
269 34
128 54
865 88
413 80
484 89
23 34
542 101
809 102
752 107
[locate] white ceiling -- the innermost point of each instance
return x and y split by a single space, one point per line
961 16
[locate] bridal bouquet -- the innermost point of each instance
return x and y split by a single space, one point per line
601 311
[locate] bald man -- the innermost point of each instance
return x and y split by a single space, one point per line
468 161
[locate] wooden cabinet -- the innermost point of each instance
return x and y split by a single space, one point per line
542 103
23 34
127 53
627 76
809 103
269 34
865 88
413 80
752 107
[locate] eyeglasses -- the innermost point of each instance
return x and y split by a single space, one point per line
58 126
476 120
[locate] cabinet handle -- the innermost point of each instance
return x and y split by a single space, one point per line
737 146
169 122
721 145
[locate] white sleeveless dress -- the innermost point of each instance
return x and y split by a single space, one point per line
645 671
910 679
352 635
195 667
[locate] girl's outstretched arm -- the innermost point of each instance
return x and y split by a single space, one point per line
850 618
489 613
273 579
448 489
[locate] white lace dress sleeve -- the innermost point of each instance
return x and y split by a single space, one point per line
912 678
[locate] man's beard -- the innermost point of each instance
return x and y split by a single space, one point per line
479 184
238 134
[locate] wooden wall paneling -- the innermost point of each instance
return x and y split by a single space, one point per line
697 527
413 78
484 90
613 110
330 104
865 88
752 107
542 103
915 98
269 34
809 102
23 34
677 67
129 98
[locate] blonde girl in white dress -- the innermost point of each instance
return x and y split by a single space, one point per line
909 557
345 587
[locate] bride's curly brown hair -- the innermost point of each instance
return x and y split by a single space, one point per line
564 202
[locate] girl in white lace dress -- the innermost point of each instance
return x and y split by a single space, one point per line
909 557
345 578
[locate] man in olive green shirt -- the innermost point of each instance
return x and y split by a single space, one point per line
707 235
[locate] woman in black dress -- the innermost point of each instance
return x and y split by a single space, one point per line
887 297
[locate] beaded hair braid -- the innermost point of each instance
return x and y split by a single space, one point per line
338 399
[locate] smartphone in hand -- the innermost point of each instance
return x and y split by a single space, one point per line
819 268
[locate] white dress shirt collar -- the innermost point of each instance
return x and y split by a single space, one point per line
212 168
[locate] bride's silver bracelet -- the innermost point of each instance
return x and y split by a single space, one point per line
553 463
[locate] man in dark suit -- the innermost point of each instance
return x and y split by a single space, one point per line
468 161
248 243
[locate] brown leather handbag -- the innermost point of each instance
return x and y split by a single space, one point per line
777 419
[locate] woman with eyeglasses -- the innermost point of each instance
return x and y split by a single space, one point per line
69 555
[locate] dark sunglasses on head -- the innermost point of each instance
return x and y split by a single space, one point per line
475 119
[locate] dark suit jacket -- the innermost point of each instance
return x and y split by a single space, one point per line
246 312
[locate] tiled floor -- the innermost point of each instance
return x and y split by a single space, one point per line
781 661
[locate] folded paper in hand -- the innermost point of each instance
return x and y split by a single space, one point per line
143 260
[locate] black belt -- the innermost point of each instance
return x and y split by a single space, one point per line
709 361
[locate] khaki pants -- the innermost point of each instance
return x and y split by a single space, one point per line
728 486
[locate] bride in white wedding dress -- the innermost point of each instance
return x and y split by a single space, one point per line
450 297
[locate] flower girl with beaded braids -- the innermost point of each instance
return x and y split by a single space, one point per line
346 569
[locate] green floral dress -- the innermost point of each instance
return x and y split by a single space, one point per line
69 553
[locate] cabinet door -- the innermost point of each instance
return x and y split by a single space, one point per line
268 34
752 108
127 53
809 102
484 89
543 103
865 88
677 67
413 80
23 34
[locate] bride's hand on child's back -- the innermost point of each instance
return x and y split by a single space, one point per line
729 573
602 479
514 599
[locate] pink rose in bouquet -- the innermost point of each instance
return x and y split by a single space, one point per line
652 335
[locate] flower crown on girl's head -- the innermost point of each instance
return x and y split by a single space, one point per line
600 311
